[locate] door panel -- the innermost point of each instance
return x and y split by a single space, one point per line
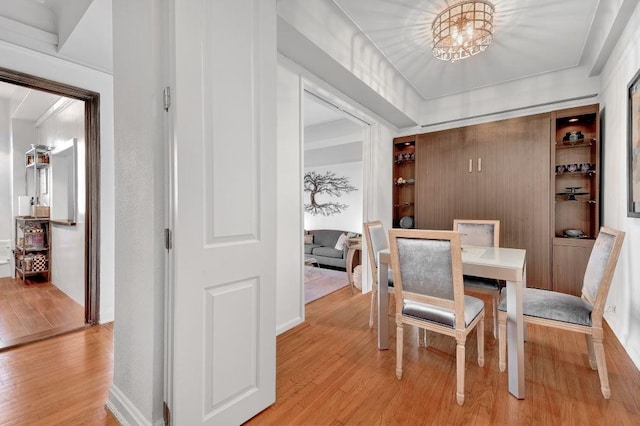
224 210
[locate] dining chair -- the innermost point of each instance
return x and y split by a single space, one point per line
376 239
427 275
483 233
572 313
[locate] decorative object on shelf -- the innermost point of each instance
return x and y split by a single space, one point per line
572 192
327 184
572 168
406 222
573 137
573 233
633 92
462 30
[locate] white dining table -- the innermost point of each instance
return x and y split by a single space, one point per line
490 262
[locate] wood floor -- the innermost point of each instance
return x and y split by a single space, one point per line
60 381
329 372
35 310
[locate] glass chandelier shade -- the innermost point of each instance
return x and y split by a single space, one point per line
463 30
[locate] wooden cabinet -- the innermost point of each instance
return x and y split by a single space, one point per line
404 179
32 247
575 182
507 170
496 170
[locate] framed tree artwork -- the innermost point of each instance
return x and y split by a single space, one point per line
633 92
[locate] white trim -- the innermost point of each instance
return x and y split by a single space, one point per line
289 325
13 31
55 109
124 410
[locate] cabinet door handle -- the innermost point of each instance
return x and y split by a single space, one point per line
479 164
470 165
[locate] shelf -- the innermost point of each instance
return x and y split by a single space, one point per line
588 173
404 183
26 273
404 161
405 204
29 249
578 144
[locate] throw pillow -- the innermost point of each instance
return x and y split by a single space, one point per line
342 240
308 239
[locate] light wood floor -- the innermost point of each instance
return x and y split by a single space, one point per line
35 310
59 381
329 372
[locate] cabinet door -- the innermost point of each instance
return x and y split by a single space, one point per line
441 177
497 170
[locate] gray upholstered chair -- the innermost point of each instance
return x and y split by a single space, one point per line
483 233
427 274
376 239
567 312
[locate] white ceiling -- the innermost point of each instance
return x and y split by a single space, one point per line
531 37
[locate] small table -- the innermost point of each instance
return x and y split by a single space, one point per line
490 262
354 245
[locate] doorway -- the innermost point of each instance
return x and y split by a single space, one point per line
333 198
86 107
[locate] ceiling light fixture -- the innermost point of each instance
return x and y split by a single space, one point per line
463 30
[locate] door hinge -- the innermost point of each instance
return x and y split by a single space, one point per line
168 243
166 96
166 414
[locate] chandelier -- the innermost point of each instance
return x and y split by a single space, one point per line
463 30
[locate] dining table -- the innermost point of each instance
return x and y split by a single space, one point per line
508 264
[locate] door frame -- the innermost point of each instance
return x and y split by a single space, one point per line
92 171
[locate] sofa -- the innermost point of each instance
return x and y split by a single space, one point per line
321 245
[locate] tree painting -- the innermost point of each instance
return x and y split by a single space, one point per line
326 184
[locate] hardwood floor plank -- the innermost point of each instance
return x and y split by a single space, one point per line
329 371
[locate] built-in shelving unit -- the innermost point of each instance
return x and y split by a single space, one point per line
404 173
575 162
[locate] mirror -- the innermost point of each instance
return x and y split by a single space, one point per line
63 185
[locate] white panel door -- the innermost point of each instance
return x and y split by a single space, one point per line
224 154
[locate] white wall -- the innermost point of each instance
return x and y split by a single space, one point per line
56 69
624 296
67 251
140 145
6 218
351 218
289 294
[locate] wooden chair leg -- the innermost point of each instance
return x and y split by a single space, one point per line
598 349
423 338
399 344
460 357
502 341
592 355
372 308
494 306
480 334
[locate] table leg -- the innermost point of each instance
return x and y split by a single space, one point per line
383 306
515 338
350 255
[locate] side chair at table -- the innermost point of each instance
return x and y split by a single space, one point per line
427 275
376 239
572 313
484 233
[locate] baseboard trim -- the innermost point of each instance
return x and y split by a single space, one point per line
288 325
125 411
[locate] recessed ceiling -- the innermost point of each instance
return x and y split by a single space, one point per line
531 37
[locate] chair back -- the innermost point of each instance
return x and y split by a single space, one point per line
376 238
483 233
600 269
427 268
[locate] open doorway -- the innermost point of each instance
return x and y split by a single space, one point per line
49 185
333 197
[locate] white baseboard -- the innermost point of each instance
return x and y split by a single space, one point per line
288 325
125 411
